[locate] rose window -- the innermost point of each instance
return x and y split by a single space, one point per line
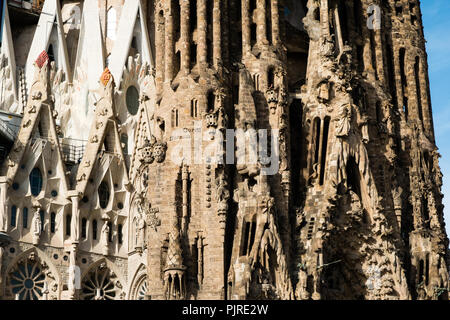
27 281
98 285
142 290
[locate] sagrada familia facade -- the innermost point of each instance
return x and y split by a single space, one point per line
97 96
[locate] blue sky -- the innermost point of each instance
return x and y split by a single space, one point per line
435 15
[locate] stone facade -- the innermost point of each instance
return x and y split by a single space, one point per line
122 129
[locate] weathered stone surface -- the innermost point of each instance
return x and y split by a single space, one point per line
105 192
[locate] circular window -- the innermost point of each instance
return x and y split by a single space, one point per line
27 281
98 285
103 194
142 289
120 205
15 186
54 193
132 97
85 199
12 250
35 181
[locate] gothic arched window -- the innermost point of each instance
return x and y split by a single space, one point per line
103 194
35 181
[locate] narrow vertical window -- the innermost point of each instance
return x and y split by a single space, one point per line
103 194
35 181
120 233
374 53
316 139
68 223
94 229
42 214
52 222
51 53
402 56
270 78
110 231
326 127
391 73
418 92
246 237
25 218
13 216
83 228
211 102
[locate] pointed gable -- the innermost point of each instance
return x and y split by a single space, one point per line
103 136
38 123
46 36
132 25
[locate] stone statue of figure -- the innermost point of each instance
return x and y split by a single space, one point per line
343 121
302 291
36 225
139 224
104 237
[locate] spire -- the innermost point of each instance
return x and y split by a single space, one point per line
174 252
175 271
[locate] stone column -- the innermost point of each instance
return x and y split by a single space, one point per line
74 273
185 37
426 110
275 23
217 33
246 42
379 55
3 206
185 178
200 258
261 29
75 222
202 51
160 48
324 18
170 46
